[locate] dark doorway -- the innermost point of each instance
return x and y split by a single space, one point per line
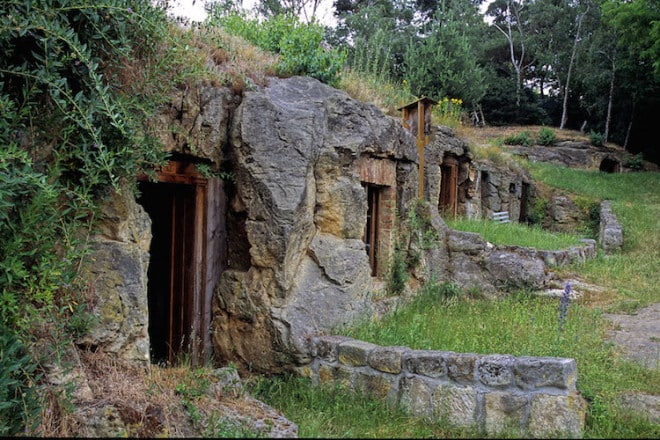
448 187
371 229
485 193
609 165
171 207
524 197
187 256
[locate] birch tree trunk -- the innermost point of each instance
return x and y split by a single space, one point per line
610 99
508 33
576 42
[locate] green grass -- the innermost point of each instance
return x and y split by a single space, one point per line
334 412
515 234
631 276
443 318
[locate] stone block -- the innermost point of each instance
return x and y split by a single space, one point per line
512 269
339 375
427 363
387 359
326 374
374 385
354 353
495 370
415 396
325 347
539 372
456 405
557 416
305 371
505 412
460 367
469 243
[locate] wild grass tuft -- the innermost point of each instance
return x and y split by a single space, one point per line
335 412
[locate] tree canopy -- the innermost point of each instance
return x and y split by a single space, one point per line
592 65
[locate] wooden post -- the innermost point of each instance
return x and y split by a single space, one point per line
421 106
421 143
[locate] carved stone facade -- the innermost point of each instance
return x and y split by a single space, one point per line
297 242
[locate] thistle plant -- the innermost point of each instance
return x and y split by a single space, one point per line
563 307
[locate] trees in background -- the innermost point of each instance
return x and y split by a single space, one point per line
592 65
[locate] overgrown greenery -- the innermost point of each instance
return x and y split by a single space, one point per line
523 138
546 136
299 45
78 83
20 407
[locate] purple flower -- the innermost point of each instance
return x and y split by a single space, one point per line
130 10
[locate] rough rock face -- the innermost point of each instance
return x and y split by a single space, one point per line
309 165
196 121
295 145
118 268
576 154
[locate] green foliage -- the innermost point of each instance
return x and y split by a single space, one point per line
19 401
78 83
635 162
638 24
546 136
596 139
523 138
300 46
442 61
372 57
398 272
537 211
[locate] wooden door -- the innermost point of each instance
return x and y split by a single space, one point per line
448 188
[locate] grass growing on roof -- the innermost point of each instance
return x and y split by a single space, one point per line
517 234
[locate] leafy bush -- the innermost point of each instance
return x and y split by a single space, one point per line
596 139
523 138
399 274
78 83
299 45
635 162
546 136
19 400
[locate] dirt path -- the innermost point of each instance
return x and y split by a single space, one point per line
637 336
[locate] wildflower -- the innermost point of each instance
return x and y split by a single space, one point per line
130 10
563 305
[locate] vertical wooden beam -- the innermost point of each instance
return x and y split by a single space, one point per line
420 146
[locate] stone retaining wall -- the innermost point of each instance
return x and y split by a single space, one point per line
610 234
534 396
